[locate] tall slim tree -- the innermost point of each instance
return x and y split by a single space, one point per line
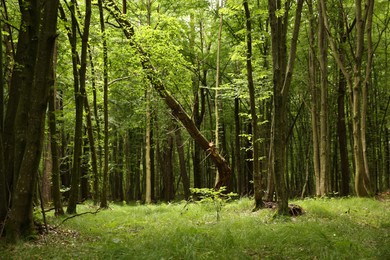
54 140
282 73
252 101
148 120
79 73
103 197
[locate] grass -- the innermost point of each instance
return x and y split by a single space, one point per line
350 228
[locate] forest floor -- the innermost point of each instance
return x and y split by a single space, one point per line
330 228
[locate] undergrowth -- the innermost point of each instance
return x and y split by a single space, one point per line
350 228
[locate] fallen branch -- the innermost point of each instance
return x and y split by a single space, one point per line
77 215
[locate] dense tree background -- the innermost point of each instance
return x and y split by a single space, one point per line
145 99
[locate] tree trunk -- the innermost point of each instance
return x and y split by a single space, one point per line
92 147
315 98
168 191
148 163
103 198
341 122
282 74
54 138
182 162
258 190
20 223
237 144
79 92
19 94
324 129
217 83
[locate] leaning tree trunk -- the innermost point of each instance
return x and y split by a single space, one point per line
177 110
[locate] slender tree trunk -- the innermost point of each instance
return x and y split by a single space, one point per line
258 190
92 146
79 88
148 162
166 165
54 138
217 83
324 129
315 98
148 128
182 162
237 144
341 123
199 102
103 198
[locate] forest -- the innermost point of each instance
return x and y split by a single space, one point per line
160 101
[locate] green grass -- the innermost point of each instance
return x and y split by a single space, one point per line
350 228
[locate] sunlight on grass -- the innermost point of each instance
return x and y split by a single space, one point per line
350 228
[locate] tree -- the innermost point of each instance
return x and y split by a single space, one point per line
357 85
319 100
103 197
20 222
54 139
282 73
255 128
79 74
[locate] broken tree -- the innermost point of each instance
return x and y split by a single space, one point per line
177 110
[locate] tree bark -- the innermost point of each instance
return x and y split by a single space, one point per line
315 98
258 190
54 138
103 198
341 121
282 74
148 162
79 92
182 162
324 129
237 144
20 223
217 83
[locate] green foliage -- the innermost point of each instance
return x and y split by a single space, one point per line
216 198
